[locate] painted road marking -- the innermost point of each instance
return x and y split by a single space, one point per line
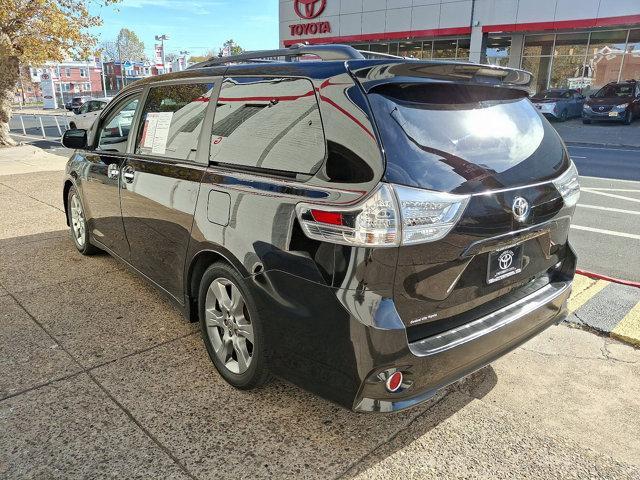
609 209
606 189
628 329
610 149
584 289
576 156
612 195
606 232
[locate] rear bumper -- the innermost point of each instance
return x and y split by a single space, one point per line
435 362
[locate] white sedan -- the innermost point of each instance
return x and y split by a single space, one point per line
88 113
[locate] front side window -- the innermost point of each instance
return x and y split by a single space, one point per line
86 108
114 131
172 119
271 123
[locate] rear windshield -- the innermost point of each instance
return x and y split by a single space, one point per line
453 137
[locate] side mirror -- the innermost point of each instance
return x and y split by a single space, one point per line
75 139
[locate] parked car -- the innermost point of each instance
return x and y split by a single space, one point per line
370 229
88 113
618 102
559 104
75 103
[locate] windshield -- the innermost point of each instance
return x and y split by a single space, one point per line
615 91
451 137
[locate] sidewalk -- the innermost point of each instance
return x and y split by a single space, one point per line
40 111
28 159
612 135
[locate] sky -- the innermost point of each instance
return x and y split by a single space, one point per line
195 26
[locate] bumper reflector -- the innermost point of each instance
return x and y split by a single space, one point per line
394 382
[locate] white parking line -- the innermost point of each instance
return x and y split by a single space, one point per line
606 232
603 189
576 156
612 195
605 148
609 209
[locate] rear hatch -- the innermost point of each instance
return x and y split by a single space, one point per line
470 131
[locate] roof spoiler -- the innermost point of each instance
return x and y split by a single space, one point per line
371 75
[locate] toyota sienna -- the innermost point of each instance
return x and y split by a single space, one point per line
371 229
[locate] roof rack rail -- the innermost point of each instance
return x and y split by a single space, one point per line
325 52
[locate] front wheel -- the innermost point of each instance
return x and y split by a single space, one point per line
231 328
628 118
78 223
563 116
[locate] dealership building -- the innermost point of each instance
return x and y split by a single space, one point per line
565 43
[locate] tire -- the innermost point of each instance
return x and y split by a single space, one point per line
586 121
563 116
628 118
233 334
78 224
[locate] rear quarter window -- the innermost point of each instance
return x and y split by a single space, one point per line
269 123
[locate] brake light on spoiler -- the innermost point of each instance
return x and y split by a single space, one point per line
393 215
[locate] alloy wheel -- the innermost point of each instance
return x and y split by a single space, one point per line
78 224
229 326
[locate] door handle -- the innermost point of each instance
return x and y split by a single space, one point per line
128 173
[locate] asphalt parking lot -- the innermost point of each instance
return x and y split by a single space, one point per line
102 378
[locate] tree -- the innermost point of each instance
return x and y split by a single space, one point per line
33 32
128 46
230 48
201 58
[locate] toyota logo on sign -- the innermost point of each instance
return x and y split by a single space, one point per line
309 9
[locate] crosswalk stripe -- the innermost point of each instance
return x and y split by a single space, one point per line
584 289
628 329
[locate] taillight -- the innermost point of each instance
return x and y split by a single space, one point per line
394 215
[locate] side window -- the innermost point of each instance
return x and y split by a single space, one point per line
171 120
114 131
269 123
85 108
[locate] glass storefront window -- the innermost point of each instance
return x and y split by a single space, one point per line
538 45
497 50
571 44
393 48
380 47
361 46
605 56
631 61
427 50
569 72
411 49
464 49
539 67
445 49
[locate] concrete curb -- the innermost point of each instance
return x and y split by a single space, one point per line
606 308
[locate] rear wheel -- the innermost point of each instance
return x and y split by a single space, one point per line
231 328
563 116
78 223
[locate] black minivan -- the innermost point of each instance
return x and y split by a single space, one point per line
369 229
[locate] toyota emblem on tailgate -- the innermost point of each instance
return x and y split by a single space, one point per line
520 209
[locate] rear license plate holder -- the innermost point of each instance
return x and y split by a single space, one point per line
504 263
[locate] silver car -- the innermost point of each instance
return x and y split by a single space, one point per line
559 104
